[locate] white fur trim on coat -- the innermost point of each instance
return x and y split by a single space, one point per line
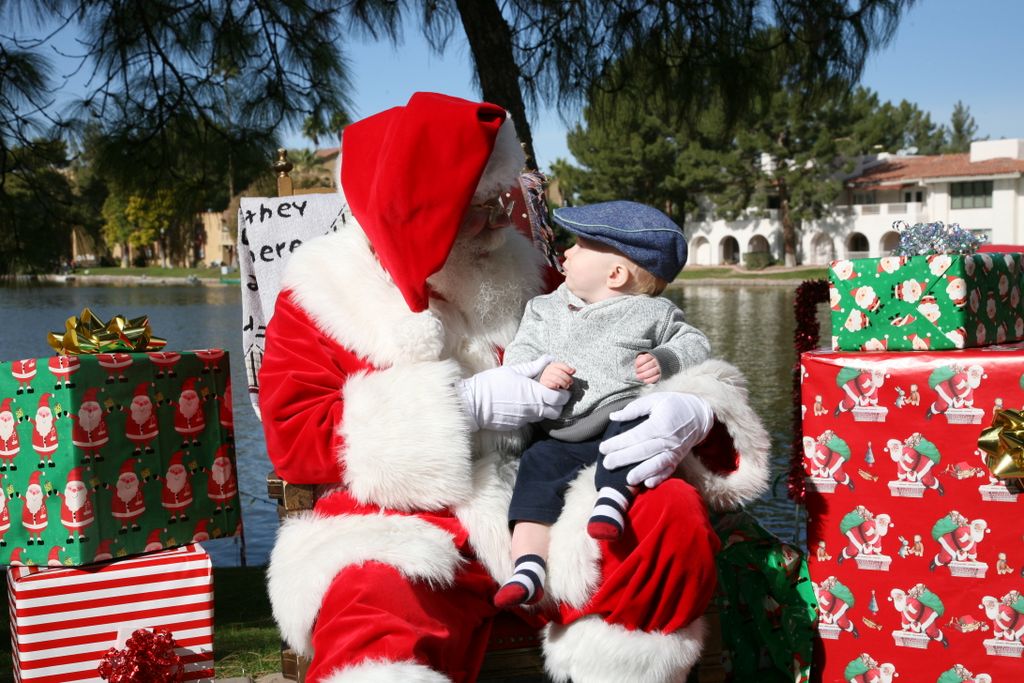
406 438
311 549
503 166
386 672
592 651
574 557
725 389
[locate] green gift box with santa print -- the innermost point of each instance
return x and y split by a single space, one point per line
916 303
113 454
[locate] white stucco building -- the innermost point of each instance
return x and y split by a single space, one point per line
982 190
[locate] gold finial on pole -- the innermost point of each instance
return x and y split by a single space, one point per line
282 167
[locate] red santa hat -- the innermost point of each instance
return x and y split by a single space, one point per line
34 479
16 556
410 173
44 400
90 395
5 406
188 385
127 467
75 475
200 533
54 556
153 540
142 389
175 459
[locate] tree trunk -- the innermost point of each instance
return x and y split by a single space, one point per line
126 255
490 41
788 228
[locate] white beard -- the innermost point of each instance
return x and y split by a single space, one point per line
188 403
34 499
44 421
142 410
176 478
221 471
74 498
484 278
6 426
127 490
89 416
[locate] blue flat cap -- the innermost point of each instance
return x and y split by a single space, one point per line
641 233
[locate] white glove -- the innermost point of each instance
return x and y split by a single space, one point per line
677 423
509 397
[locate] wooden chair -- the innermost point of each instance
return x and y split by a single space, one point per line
514 652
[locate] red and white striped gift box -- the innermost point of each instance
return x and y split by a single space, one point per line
63 620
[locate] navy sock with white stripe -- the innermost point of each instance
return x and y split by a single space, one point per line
526 585
609 516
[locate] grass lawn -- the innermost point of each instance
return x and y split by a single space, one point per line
245 639
797 274
153 271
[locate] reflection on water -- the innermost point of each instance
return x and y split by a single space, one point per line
751 327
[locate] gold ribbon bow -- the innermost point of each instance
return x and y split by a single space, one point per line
89 334
1004 444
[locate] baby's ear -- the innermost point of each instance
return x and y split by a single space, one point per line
619 276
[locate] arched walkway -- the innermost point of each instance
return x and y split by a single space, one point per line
758 243
823 249
729 250
700 247
857 246
888 243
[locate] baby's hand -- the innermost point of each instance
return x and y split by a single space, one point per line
647 370
557 376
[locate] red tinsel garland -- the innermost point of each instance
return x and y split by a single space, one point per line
809 294
148 656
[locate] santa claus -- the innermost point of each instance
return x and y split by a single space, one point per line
33 514
23 372
103 552
381 381
164 362
200 534
62 367
226 413
10 446
954 387
189 420
89 432
5 517
141 426
211 359
76 513
860 388
153 542
127 503
44 433
116 364
222 487
177 491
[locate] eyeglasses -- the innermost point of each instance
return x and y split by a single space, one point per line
496 208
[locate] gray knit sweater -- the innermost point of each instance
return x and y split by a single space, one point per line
602 340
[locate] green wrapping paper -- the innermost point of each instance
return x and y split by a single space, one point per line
767 607
937 302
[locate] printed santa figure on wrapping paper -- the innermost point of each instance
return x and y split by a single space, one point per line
103 552
222 486
23 372
189 420
226 414
860 388
164 362
865 532
9 444
76 512
115 364
127 503
33 513
919 610
824 459
89 431
62 367
834 602
177 491
916 460
153 542
1007 616
960 674
44 432
954 387
865 669
958 541
53 557
141 426
5 517
211 359
200 533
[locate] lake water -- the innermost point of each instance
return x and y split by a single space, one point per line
749 326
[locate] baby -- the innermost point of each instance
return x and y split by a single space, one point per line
610 335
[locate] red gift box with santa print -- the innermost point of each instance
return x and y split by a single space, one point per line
916 550
114 454
64 620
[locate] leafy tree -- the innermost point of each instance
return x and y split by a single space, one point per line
888 127
962 129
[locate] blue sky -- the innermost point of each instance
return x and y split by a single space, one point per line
943 51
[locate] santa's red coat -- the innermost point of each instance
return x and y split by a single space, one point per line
176 500
191 424
141 432
358 390
222 492
90 439
127 510
5 519
34 522
44 444
10 446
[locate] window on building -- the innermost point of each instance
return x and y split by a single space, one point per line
976 194
865 197
913 196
